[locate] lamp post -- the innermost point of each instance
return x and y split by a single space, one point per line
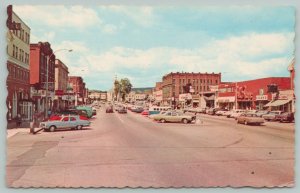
47 79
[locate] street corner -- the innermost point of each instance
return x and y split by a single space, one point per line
13 132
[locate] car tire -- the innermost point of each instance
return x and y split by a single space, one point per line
79 127
185 121
162 120
52 128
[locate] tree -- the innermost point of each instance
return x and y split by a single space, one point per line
125 87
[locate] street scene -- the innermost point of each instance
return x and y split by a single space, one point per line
199 107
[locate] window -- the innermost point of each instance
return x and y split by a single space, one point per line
201 81
14 48
216 81
16 52
20 54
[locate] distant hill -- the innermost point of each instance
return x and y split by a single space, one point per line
142 90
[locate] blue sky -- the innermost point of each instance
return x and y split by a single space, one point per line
143 43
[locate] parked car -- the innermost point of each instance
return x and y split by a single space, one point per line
122 110
109 109
285 117
212 111
250 118
88 110
235 113
228 113
261 113
175 117
73 122
145 112
138 109
156 115
271 116
221 112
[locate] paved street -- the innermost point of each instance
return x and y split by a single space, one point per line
121 150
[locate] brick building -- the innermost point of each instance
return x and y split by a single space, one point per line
61 84
41 58
251 94
157 93
173 86
18 52
76 82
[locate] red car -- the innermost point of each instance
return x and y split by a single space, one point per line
58 117
145 112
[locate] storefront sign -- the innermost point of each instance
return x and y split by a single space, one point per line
226 99
68 97
59 92
183 97
261 97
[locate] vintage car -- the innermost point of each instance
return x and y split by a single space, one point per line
285 117
221 112
236 113
250 118
261 113
109 109
138 109
271 116
174 117
145 112
122 110
212 111
73 122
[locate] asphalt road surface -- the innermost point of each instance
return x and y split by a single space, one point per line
129 150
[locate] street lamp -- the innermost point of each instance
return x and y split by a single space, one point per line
47 78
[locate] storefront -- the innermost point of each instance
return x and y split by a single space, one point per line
261 101
283 101
226 102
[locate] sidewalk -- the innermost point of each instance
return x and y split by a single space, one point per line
12 132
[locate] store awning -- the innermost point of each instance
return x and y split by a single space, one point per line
211 98
277 103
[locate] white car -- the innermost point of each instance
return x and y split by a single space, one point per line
221 112
235 113
73 122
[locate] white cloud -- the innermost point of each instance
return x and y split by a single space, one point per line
141 15
59 16
110 29
250 55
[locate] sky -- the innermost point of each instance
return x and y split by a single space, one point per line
143 43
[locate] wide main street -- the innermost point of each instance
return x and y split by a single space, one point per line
120 150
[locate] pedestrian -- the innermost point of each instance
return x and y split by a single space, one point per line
19 120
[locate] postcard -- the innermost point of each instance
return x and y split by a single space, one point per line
150 96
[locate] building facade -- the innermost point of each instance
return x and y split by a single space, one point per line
18 52
174 84
42 71
61 85
251 94
76 82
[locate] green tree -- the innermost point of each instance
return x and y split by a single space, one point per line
125 88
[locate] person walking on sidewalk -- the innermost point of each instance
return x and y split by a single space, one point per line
18 120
